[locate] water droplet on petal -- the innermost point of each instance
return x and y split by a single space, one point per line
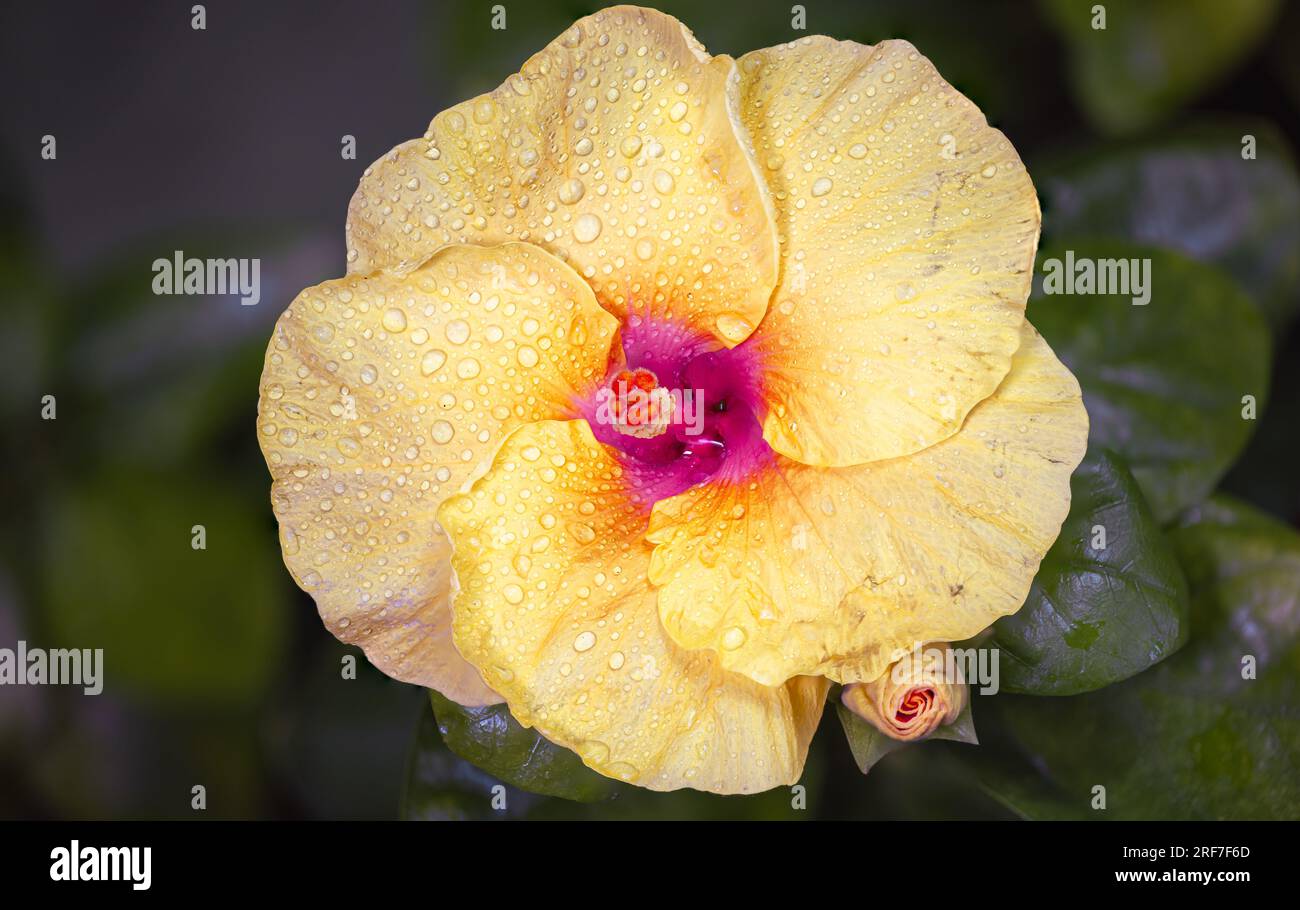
571 191
734 327
457 331
432 361
733 638
394 320
468 368
442 432
586 228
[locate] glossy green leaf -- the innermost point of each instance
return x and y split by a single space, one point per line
1109 599
1192 191
441 786
177 624
1194 737
491 739
1153 57
869 745
1163 383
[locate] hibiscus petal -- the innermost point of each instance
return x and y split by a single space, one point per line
555 609
830 570
618 148
908 229
381 396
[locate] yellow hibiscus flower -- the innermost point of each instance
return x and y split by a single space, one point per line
799 277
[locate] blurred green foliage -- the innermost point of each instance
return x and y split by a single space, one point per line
1164 391
1187 189
182 625
1134 64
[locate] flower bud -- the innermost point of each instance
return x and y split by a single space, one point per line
910 700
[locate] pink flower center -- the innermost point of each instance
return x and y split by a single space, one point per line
638 405
679 410
916 703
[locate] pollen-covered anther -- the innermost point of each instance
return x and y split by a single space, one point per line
639 406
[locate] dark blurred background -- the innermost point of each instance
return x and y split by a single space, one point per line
225 142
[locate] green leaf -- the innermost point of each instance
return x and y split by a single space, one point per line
177 624
1163 383
1192 737
869 745
1192 191
441 786
1096 616
1153 57
491 739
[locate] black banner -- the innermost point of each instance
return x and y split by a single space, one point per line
234 859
